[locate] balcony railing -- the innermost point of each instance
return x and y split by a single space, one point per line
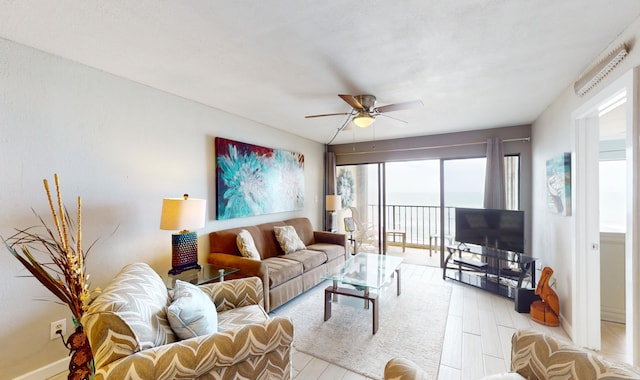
418 222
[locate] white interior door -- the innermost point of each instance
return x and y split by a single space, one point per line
586 260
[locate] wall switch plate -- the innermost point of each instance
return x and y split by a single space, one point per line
58 325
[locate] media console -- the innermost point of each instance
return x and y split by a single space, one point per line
495 270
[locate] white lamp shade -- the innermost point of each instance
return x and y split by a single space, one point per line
333 202
182 214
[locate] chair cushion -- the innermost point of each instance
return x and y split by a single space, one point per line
288 239
282 270
241 316
192 313
247 246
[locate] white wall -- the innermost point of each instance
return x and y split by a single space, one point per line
553 133
121 146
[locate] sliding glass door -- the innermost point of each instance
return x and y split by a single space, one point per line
359 187
412 203
412 207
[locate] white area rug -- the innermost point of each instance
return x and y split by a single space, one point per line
411 325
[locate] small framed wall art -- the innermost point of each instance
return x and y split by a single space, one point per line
559 184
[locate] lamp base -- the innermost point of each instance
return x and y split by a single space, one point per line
184 252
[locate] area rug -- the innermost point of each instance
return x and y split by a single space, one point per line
411 325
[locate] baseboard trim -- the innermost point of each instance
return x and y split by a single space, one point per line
47 371
613 314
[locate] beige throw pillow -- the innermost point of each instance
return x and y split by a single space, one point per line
247 246
288 239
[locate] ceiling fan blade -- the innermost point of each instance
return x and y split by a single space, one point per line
399 106
326 114
352 101
395 118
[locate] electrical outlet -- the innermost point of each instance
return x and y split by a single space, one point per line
60 325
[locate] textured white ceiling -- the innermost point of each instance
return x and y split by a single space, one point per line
474 63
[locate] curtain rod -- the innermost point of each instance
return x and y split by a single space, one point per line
430 147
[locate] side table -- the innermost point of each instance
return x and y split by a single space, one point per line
208 273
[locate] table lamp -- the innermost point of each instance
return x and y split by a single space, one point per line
181 214
333 203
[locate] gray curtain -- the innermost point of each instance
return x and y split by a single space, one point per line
329 183
494 188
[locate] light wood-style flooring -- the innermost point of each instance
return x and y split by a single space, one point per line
477 339
477 336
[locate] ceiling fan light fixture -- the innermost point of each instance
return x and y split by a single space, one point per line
363 119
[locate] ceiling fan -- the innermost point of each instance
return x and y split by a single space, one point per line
365 111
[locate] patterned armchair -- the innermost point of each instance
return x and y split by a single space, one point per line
131 337
536 356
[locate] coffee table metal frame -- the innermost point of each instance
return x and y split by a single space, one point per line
364 271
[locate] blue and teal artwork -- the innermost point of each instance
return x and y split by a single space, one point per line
254 180
559 184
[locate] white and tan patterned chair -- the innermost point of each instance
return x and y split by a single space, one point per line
536 356
131 337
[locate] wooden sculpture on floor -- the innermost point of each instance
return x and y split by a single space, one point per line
546 310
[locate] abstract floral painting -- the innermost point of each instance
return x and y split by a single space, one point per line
559 184
254 180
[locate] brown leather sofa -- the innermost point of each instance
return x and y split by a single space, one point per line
283 276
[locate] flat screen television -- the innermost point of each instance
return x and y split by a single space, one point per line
502 229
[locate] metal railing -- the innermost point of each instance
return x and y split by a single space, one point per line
420 223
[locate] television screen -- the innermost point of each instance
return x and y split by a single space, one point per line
502 229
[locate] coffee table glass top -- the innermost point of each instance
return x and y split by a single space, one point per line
208 273
368 270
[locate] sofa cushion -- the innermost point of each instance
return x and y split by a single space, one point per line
269 246
332 251
309 259
303 228
139 297
192 313
225 241
288 239
282 270
247 246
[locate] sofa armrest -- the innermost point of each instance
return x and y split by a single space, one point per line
235 293
536 355
191 358
330 238
246 268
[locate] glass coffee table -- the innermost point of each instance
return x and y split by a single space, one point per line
207 273
364 272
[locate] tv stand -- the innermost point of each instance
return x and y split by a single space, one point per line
495 270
